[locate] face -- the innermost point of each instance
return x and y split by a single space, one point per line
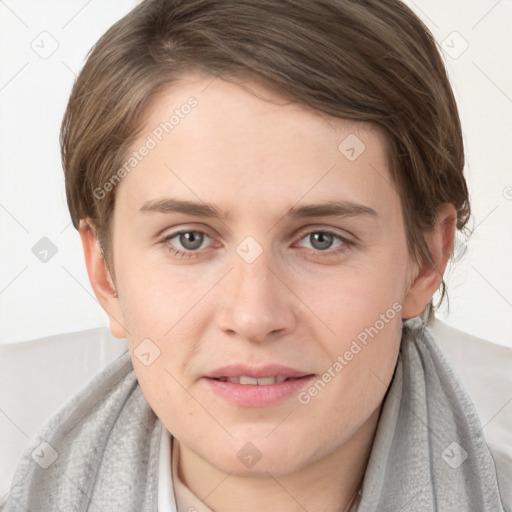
259 239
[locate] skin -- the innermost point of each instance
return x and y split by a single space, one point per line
297 304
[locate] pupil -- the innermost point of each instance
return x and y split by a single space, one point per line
321 240
191 240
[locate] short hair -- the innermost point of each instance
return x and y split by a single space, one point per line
365 60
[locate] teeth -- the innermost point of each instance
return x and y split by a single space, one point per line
248 380
267 380
253 381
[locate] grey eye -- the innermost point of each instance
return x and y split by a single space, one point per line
325 241
320 240
191 240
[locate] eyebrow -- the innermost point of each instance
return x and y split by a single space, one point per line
327 209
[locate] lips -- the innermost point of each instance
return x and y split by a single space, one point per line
256 372
253 381
256 386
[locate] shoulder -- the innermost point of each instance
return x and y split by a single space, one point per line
103 438
485 370
38 377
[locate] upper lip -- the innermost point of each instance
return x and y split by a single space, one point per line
259 372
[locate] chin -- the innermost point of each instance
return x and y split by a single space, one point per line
257 456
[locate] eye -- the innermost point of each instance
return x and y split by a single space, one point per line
326 241
186 243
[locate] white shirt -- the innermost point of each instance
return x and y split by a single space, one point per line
173 494
166 499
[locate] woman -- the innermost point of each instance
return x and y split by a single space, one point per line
267 195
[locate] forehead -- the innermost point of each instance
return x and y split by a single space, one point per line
238 105
210 137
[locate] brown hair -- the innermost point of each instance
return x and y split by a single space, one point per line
367 60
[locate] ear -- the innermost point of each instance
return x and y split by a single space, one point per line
100 279
429 277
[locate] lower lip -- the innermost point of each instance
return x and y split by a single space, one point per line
247 395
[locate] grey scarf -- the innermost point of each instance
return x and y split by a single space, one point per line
99 453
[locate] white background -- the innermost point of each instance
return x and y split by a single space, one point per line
38 298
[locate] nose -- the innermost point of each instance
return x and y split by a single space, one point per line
256 303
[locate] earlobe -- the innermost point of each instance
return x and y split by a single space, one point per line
100 279
429 276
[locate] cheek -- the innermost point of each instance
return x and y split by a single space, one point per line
171 401
361 333
157 298
357 297
164 312
362 359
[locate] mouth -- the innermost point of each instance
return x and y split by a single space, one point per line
253 381
256 386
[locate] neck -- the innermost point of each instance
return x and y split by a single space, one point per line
327 485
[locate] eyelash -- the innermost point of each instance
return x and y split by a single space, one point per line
346 244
